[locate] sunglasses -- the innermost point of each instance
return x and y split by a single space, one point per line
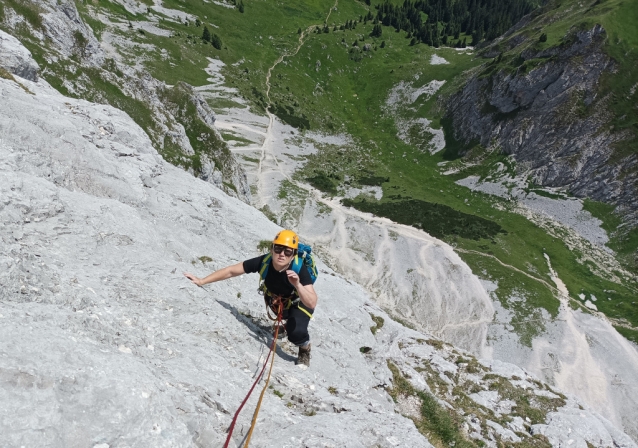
286 250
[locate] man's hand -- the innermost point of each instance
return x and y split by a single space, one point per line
192 278
293 278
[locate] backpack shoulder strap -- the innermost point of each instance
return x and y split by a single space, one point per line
296 264
263 271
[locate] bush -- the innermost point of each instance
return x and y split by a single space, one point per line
264 246
322 182
438 220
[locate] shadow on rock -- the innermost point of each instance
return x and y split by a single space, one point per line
260 332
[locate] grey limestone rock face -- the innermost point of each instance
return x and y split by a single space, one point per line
68 33
16 59
537 115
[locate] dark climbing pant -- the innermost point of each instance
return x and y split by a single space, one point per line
297 323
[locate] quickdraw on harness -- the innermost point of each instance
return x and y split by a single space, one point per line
273 348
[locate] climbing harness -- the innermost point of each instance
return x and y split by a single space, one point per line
273 347
287 302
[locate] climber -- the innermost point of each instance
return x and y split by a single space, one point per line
296 290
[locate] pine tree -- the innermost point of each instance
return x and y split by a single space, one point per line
382 44
436 40
198 23
206 34
376 31
299 31
477 36
241 7
216 41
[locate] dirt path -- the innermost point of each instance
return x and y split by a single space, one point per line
266 148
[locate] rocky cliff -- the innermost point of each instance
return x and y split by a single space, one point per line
106 344
545 107
177 119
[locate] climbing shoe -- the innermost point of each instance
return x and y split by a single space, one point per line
304 356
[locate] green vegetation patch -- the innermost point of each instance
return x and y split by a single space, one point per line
264 246
30 11
623 241
324 182
440 425
276 392
378 323
438 220
528 405
287 115
373 181
203 139
630 334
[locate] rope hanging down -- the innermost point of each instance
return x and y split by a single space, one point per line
273 348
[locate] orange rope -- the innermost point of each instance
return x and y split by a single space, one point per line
273 349
272 363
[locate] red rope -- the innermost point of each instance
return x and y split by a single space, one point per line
272 347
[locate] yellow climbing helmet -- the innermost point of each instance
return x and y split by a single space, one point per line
287 238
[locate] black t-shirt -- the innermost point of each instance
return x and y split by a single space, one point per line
277 282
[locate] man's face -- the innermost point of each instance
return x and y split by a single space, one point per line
282 254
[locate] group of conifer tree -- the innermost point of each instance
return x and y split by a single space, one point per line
445 20
212 38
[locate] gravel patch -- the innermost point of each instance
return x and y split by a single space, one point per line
568 212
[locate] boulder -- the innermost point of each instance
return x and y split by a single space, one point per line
16 59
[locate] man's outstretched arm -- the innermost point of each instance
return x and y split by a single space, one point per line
222 274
